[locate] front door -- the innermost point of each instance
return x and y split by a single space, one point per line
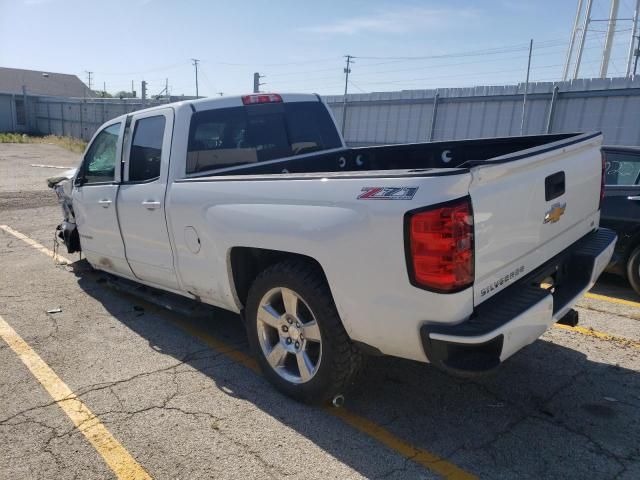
94 202
621 205
141 198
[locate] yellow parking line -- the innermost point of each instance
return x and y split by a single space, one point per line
113 453
421 456
629 303
34 244
600 335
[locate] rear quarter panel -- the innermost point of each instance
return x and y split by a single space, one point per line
358 243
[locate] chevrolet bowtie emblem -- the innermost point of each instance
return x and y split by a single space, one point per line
555 212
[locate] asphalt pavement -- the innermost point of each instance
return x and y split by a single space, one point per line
174 394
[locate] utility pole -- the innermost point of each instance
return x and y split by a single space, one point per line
104 89
166 89
635 65
89 79
347 71
256 82
195 62
526 87
143 92
133 90
634 51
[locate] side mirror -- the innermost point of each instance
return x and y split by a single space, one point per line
79 181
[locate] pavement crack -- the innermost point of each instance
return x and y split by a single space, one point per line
608 312
79 393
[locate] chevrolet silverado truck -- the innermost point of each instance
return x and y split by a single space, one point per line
457 253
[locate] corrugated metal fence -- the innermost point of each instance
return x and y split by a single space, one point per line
77 117
609 105
74 117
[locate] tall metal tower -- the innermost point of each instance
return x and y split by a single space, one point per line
584 21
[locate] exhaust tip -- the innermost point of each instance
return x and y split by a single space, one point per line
338 401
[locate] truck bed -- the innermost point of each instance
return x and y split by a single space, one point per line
418 157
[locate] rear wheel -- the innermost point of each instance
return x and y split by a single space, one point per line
296 334
633 270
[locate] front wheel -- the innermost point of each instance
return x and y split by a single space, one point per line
633 270
296 334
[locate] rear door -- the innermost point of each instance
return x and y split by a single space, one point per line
621 206
141 199
531 205
94 201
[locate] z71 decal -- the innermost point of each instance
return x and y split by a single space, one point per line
387 193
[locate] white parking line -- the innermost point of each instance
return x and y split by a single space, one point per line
21 236
50 166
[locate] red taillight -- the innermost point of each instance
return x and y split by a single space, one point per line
602 177
261 98
441 247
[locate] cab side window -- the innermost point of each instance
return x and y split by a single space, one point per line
622 168
146 149
100 160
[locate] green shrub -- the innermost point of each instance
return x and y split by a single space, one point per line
70 143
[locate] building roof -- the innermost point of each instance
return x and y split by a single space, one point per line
39 82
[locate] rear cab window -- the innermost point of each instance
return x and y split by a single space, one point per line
146 149
229 137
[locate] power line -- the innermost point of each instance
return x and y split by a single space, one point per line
486 51
353 84
302 77
151 70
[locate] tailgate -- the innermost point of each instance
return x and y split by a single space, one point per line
531 205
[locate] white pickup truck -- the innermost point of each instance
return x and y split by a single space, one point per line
457 253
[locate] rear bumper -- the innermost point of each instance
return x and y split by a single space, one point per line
518 315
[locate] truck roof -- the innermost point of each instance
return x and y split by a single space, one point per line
230 101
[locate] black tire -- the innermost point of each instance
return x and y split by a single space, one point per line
341 360
633 270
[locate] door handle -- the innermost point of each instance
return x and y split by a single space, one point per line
151 204
636 197
105 202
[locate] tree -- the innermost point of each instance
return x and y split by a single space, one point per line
102 94
124 94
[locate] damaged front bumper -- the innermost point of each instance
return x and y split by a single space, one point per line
67 231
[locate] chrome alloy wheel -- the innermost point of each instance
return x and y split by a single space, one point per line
289 335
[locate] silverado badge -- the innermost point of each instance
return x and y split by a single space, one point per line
555 212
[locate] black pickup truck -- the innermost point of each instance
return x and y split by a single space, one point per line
621 209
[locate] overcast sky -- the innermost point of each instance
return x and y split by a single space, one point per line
299 45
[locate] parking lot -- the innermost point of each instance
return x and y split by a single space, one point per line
100 382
